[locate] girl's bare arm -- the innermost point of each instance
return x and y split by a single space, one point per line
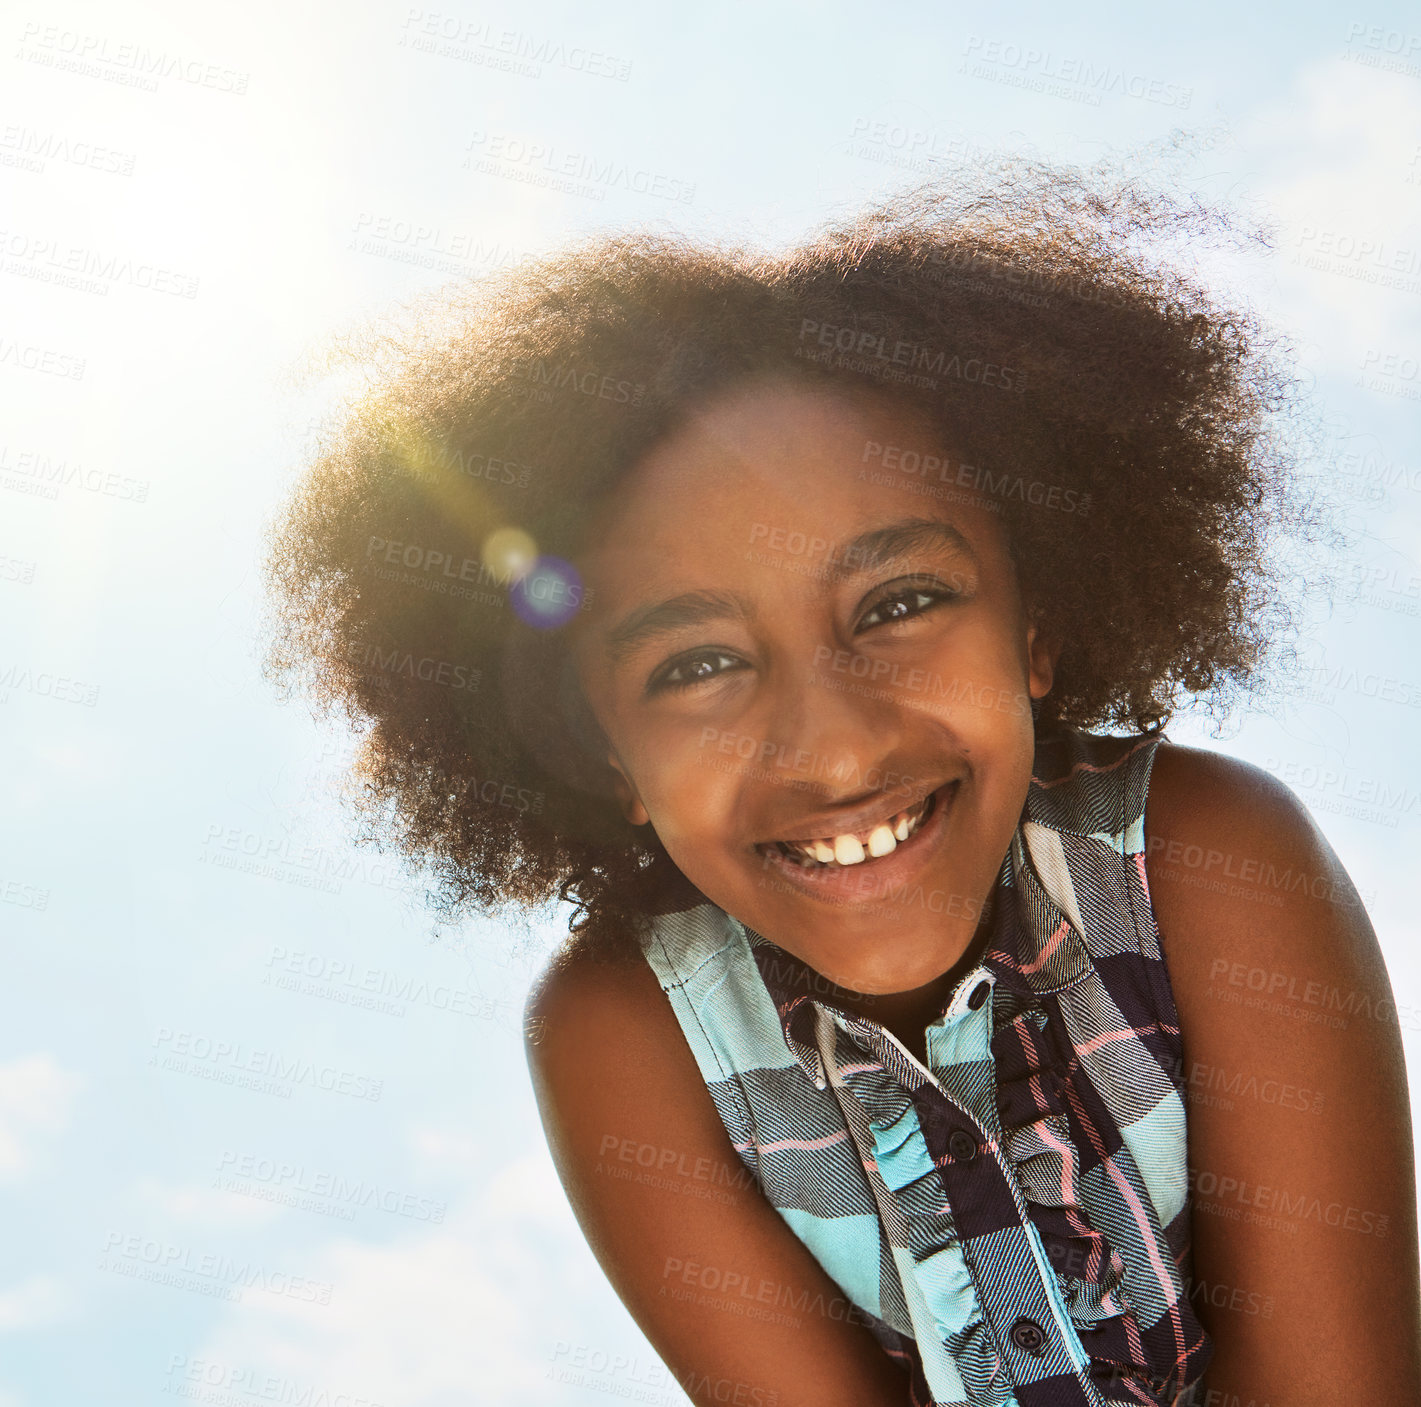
730 1298
1300 1142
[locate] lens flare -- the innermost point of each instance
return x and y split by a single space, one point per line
509 553
548 595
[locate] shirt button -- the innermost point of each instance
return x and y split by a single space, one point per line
1028 1334
979 995
962 1145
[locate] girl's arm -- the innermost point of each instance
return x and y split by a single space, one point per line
1300 1143
729 1297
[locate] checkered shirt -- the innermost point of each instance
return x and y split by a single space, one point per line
1011 1221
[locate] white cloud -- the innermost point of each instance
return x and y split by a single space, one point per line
1340 159
33 1304
36 1095
200 1204
430 1318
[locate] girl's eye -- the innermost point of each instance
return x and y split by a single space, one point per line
906 603
702 666
690 669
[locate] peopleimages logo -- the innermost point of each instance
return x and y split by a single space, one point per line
31 149
130 64
250 1173
147 1258
870 348
91 270
574 172
381 664
452 36
587 382
35 471
211 1380
993 488
190 1052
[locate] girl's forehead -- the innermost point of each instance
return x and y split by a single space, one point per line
776 459
780 421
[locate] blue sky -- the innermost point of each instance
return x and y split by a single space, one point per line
181 908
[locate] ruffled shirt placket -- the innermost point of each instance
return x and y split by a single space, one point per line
935 1143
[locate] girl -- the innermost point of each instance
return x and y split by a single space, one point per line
771 609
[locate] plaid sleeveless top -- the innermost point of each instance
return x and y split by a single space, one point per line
1011 1223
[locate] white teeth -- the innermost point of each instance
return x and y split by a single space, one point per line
847 850
880 841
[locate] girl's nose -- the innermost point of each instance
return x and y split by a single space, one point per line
831 727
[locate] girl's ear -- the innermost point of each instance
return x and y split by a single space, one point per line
627 797
1041 658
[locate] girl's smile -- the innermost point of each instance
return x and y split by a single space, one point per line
886 853
816 682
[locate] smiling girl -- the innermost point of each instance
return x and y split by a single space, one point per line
917 1039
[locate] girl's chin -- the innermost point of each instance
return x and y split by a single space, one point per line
859 958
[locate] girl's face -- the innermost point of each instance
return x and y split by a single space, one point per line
797 647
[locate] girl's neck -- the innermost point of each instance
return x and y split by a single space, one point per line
907 1015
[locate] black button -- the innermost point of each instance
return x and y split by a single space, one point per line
962 1145
979 995
1028 1334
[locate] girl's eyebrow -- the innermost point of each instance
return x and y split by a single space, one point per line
664 617
865 552
880 545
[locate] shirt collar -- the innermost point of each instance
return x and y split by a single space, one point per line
1034 948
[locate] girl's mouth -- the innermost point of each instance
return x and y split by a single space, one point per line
890 845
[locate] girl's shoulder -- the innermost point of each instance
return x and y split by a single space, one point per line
1248 896
1300 1159
1201 798
1223 837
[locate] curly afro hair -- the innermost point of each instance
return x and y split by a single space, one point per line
1016 302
